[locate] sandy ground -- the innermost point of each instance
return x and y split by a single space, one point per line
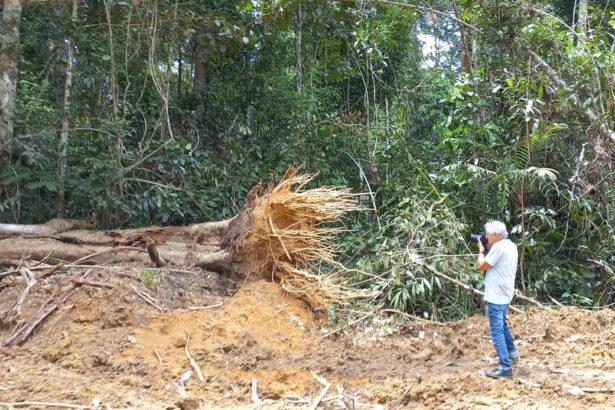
258 347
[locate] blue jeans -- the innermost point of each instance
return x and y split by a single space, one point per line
500 334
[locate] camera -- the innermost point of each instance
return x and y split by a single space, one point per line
476 236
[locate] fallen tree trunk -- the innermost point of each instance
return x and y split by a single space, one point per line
278 234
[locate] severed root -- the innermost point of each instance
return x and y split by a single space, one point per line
323 392
254 396
193 362
291 225
30 280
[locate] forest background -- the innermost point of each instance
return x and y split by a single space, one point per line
442 114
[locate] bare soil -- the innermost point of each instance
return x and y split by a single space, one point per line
109 346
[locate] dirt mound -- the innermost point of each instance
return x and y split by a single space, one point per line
110 346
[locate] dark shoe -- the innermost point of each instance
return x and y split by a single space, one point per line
499 373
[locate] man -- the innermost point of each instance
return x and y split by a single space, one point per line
500 266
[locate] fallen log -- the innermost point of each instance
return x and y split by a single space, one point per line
279 233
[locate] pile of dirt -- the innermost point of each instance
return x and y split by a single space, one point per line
257 346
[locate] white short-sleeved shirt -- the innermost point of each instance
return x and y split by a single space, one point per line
500 278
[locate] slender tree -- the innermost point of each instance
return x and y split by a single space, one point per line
60 197
11 18
298 47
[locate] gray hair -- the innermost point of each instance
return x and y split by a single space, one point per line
496 227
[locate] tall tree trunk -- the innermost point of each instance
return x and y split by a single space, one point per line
60 198
179 75
11 18
298 47
582 23
199 92
113 85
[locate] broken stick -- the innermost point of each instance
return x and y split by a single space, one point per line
255 398
193 362
323 392
20 334
30 279
80 282
148 299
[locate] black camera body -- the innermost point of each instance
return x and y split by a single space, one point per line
476 236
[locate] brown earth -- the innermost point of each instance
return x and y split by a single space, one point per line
108 346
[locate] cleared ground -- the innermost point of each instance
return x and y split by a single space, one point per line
109 346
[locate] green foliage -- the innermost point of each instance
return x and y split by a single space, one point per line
151 278
434 150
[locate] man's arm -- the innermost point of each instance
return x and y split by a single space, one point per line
482 264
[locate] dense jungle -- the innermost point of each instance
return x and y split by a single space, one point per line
205 132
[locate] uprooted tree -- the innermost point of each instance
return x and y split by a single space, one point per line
280 233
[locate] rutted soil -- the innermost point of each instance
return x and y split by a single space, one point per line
109 346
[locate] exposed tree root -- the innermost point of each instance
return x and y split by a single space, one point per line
282 233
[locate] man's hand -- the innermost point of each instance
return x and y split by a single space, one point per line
481 248
480 261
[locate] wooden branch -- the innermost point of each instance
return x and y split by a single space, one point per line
218 261
148 299
254 396
193 362
117 248
413 317
158 356
603 128
555 301
596 389
30 280
10 405
12 229
215 305
400 400
347 325
79 282
44 267
463 285
9 263
280 239
528 383
518 295
51 227
50 271
415 6
20 335
154 256
145 158
323 392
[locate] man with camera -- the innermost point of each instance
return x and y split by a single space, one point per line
500 265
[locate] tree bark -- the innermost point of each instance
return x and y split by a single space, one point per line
51 241
282 232
199 93
298 47
113 85
60 197
11 19
466 56
582 22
